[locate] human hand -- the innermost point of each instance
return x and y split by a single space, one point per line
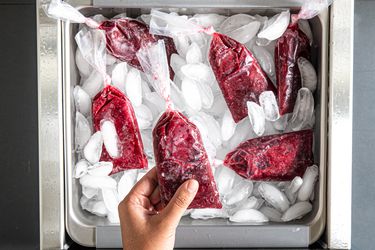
145 224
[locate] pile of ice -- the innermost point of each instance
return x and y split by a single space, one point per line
195 92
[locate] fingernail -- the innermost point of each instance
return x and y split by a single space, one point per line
192 186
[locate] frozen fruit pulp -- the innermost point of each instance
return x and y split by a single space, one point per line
180 156
273 158
289 47
111 104
126 36
239 75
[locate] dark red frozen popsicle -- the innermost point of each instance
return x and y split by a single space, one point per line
180 156
289 47
274 157
240 77
126 36
111 104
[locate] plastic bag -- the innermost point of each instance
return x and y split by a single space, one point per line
178 147
274 157
124 148
125 36
237 71
292 45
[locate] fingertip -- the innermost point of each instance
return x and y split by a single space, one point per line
192 186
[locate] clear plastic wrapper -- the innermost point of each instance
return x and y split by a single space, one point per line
273 158
237 71
178 147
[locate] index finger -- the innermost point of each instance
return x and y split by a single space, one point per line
147 184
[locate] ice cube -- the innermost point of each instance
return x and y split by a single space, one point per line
297 210
308 74
292 190
271 213
82 101
309 178
80 168
146 18
240 191
113 218
270 129
82 131
224 178
268 102
281 123
248 215
119 74
133 87
101 168
93 84
144 116
206 94
256 192
208 213
207 20
182 44
190 91
147 143
249 203
83 66
110 199
145 88
245 33
155 103
176 63
198 38
257 118
89 192
242 133
121 15
275 26
266 61
303 111
198 121
194 54
213 128
304 25
109 59
274 196
93 148
219 106
99 209
93 181
177 97
234 22
228 126
199 72
140 175
110 138
126 183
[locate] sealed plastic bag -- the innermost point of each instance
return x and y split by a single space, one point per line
237 71
112 111
125 36
293 44
274 157
178 147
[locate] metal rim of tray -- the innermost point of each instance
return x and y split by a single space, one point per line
52 222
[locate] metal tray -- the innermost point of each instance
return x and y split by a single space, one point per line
89 230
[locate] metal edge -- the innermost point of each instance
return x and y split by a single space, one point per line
317 225
340 126
72 222
51 203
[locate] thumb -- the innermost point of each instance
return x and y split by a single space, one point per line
176 207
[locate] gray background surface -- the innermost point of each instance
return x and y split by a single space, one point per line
363 217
